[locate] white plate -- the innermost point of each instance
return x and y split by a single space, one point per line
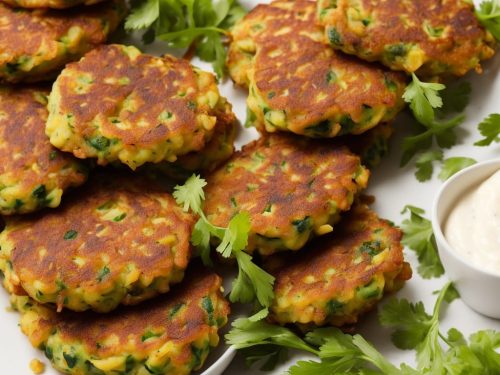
394 188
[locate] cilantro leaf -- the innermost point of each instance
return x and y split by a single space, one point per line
200 238
143 15
423 97
236 236
410 322
271 355
454 165
455 98
200 24
191 194
426 105
488 15
490 130
418 236
424 164
252 281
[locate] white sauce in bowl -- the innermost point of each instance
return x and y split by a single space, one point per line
473 226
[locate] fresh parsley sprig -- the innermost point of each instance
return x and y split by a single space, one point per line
431 112
337 352
450 166
414 328
490 130
252 283
418 236
488 15
201 24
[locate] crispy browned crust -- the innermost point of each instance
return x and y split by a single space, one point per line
129 324
340 250
294 71
24 31
153 82
396 21
298 177
97 239
23 143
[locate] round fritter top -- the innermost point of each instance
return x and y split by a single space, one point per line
297 82
117 230
340 275
40 38
289 185
31 169
102 99
55 4
170 330
427 36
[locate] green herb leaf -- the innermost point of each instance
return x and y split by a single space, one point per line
191 194
186 23
252 281
490 130
409 321
455 98
454 165
419 237
143 15
424 164
423 97
488 15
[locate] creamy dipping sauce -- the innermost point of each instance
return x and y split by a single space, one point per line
473 226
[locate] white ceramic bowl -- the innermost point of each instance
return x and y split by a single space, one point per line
479 289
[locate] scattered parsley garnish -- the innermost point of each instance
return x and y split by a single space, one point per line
490 130
425 166
201 24
488 15
419 237
450 166
338 352
252 281
70 234
431 111
414 328
454 165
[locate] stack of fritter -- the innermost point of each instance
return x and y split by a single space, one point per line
121 239
120 245
296 59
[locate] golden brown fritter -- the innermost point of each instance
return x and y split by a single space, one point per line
299 84
96 108
292 188
216 151
36 44
337 278
429 37
171 334
33 174
121 239
54 4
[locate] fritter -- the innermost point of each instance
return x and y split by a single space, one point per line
337 278
299 84
429 37
171 334
292 187
33 174
216 151
54 4
117 104
121 239
36 44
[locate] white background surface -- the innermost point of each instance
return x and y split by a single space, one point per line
393 187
